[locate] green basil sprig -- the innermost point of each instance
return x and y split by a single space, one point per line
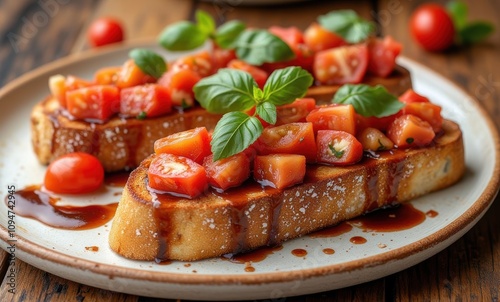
149 62
348 25
368 100
232 91
257 46
467 32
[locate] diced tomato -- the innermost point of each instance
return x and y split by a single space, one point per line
341 65
259 75
338 148
333 117
279 170
382 55
59 85
227 172
147 100
410 96
317 38
97 102
295 112
374 140
107 75
177 175
200 63
221 57
293 138
131 75
410 131
193 144
290 35
180 83
380 123
428 112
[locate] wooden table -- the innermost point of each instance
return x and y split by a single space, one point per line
468 270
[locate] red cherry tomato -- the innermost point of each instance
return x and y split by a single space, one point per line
74 173
338 148
105 31
432 27
341 65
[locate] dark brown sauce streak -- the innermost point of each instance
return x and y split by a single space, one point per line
33 203
396 218
253 256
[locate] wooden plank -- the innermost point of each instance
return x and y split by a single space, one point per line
141 19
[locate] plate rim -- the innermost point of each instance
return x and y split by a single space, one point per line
478 208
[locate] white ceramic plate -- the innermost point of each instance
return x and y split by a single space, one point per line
281 274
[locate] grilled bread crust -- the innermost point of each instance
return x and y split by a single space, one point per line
149 225
121 144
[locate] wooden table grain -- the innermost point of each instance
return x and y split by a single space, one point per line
34 33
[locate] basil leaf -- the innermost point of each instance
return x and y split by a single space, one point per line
267 111
226 34
348 25
475 32
227 90
285 85
183 35
149 62
257 46
234 132
458 13
367 100
205 22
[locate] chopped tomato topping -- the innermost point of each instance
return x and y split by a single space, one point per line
428 112
221 57
227 172
193 144
200 63
295 112
293 138
381 123
180 83
97 102
59 85
410 96
131 75
177 175
107 76
279 170
147 100
341 65
338 148
333 117
374 140
317 38
409 130
382 55
259 75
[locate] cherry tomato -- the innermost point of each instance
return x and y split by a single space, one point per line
295 112
105 31
428 112
432 27
259 75
279 170
338 148
180 83
177 175
293 138
333 117
410 96
193 144
227 172
98 102
382 56
409 130
374 140
147 100
317 38
341 65
74 173
131 75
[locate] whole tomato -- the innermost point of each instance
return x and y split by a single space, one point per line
105 31
432 27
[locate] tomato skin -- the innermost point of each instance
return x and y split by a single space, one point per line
180 84
317 38
193 144
338 148
409 131
227 172
293 138
279 170
74 173
177 175
382 56
131 75
333 117
98 102
374 140
105 31
432 27
295 112
341 65
150 99
259 75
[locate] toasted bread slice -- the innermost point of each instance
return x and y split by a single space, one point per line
121 144
149 225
